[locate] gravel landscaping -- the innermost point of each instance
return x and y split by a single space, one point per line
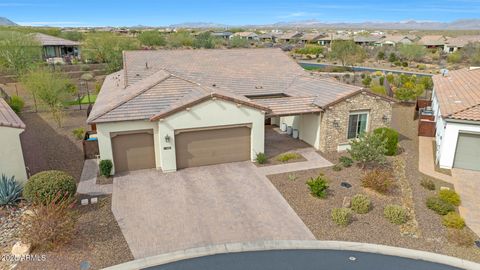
99 242
48 147
428 232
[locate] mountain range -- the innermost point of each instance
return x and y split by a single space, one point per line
465 24
4 22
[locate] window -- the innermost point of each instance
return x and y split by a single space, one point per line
357 124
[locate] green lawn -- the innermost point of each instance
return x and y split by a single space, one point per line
83 100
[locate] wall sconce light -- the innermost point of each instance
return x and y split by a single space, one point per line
335 123
385 118
167 138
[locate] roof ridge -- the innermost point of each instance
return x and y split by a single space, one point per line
136 94
463 110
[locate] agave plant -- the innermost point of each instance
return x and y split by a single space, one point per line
10 190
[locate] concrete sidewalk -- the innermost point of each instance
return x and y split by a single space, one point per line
314 161
88 180
426 164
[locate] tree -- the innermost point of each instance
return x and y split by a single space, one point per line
152 38
72 35
347 52
180 39
107 48
412 51
238 42
454 57
392 57
370 148
18 52
52 88
471 51
204 40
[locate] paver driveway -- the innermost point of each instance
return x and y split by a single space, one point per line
201 206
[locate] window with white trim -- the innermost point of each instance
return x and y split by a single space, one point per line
357 124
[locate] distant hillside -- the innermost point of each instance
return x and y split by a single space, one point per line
466 24
4 22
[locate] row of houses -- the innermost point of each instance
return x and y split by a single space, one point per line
446 44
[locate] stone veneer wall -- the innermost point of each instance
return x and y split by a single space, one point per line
331 137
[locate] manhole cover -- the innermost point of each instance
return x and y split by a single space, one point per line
345 185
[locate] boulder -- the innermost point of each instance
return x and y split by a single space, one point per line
21 249
346 202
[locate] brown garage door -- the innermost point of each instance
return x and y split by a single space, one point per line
213 146
133 151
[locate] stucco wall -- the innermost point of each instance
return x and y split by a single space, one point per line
308 126
439 126
105 143
335 138
449 142
208 114
11 158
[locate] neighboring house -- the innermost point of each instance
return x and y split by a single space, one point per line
267 37
246 35
366 40
224 35
290 36
327 39
456 43
173 109
311 37
433 41
456 106
55 47
393 40
11 158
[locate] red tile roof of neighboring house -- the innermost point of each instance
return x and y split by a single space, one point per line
458 94
8 118
155 83
461 41
433 40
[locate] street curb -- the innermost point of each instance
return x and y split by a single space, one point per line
294 245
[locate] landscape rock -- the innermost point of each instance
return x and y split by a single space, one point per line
21 249
347 202
444 188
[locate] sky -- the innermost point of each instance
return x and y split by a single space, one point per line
233 12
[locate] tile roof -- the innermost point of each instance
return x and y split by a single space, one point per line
157 82
46 40
458 94
311 36
289 105
394 38
461 41
245 34
432 40
8 118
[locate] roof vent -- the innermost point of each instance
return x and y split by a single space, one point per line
444 72
138 75
146 65
214 85
258 87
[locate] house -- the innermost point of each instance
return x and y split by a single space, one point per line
456 43
327 39
290 36
433 41
224 34
245 35
456 107
173 109
366 40
55 47
393 40
311 37
267 37
11 159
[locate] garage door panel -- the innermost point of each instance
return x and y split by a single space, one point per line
467 153
133 152
208 147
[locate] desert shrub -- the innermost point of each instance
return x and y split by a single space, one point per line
367 81
85 68
288 156
337 167
16 103
422 66
318 186
341 216
440 206
449 196
10 190
404 64
379 180
42 186
395 214
345 161
462 238
390 136
261 158
378 89
78 133
51 225
427 184
369 148
453 220
106 166
361 204
292 177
